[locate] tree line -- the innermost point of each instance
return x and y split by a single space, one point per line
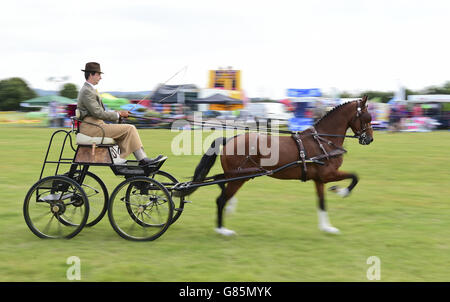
13 91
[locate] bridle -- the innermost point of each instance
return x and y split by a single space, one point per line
361 133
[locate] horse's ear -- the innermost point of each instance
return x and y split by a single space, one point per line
364 99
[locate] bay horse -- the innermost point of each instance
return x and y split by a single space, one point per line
244 155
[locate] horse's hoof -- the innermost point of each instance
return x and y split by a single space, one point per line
225 231
330 230
343 192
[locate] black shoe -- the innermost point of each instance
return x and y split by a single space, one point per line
149 161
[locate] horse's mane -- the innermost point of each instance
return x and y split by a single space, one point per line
336 108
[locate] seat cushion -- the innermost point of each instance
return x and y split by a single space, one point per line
83 139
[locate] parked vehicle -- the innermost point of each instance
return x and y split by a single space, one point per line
268 111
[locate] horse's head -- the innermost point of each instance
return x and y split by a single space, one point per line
360 123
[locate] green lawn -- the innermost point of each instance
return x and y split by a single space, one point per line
399 212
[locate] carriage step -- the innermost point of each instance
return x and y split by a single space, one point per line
187 201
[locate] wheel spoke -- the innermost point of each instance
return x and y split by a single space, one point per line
43 215
59 225
129 203
149 216
47 227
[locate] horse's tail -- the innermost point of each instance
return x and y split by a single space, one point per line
207 161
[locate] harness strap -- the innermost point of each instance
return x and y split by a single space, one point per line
302 152
256 166
318 139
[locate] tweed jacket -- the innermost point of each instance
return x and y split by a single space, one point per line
90 104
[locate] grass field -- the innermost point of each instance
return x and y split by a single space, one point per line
399 212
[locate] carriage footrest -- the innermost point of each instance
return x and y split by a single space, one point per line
129 171
132 168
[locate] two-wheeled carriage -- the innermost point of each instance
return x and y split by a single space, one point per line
142 207
61 205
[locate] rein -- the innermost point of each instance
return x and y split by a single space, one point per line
268 131
358 134
337 135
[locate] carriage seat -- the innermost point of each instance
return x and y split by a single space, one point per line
83 139
91 150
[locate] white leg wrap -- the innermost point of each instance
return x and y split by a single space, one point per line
225 231
343 192
230 208
324 223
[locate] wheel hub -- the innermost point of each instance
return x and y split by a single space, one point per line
141 209
58 208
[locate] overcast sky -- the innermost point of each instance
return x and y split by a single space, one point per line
349 45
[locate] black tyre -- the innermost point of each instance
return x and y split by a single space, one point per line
168 181
97 193
56 207
140 209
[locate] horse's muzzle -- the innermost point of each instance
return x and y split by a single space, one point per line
365 139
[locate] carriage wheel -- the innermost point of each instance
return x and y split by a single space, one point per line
97 193
167 180
56 207
140 209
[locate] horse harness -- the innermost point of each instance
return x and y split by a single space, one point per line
319 139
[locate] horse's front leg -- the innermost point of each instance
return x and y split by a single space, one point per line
343 192
324 221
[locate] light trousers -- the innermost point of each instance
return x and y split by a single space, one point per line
125 135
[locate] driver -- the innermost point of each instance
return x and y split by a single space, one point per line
92 110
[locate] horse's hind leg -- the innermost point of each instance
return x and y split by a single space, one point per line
227 193
324 222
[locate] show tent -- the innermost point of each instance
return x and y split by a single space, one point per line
44 101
